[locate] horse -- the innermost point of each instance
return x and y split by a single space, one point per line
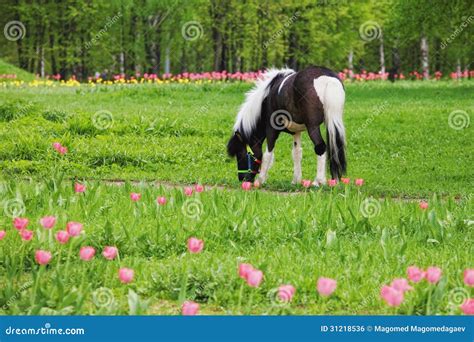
284 100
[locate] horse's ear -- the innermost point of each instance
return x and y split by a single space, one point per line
234 145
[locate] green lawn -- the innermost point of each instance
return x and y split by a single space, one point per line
399 141
363 243
9 69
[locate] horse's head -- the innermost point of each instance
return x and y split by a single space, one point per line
248 165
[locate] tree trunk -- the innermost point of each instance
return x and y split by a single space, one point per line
152 43
458 69
22 60
382 57
167 61
350 60
54 67
292 47
42 63
132 55
424 58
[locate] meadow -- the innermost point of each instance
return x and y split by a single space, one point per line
159 141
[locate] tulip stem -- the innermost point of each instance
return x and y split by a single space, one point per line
249 305
35 289
68 259
184 285
241 291
428 303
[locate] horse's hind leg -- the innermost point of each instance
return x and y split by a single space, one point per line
320 149
297 156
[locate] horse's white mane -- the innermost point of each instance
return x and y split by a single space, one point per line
249 112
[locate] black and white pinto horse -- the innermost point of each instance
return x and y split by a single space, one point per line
287 101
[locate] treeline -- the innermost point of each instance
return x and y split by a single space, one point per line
83 37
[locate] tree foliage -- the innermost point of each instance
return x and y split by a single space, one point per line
81 38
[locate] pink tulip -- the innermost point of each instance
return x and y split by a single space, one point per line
42 257
254 278
62 237
256 184
188 191
415 274
326 286
468 306
79 188
2 234
306 183
468 275
74 228
246 186
332 182
244 270
286 292
433 274
20 223
198 188
125 275
161 200
87 253
195 245
359 182
48 222
401 284
26 235
62 150
189 308
345 180
391 296
135 197
423 205
57 146
110 252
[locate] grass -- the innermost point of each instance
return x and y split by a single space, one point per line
399 138
399 141
9 69
293 239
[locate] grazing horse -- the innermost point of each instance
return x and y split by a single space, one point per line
287 101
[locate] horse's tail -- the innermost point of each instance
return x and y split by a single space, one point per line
333 98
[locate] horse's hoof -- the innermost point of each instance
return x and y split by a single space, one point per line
319 182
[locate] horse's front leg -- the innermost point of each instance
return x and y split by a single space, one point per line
268 157
297 156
